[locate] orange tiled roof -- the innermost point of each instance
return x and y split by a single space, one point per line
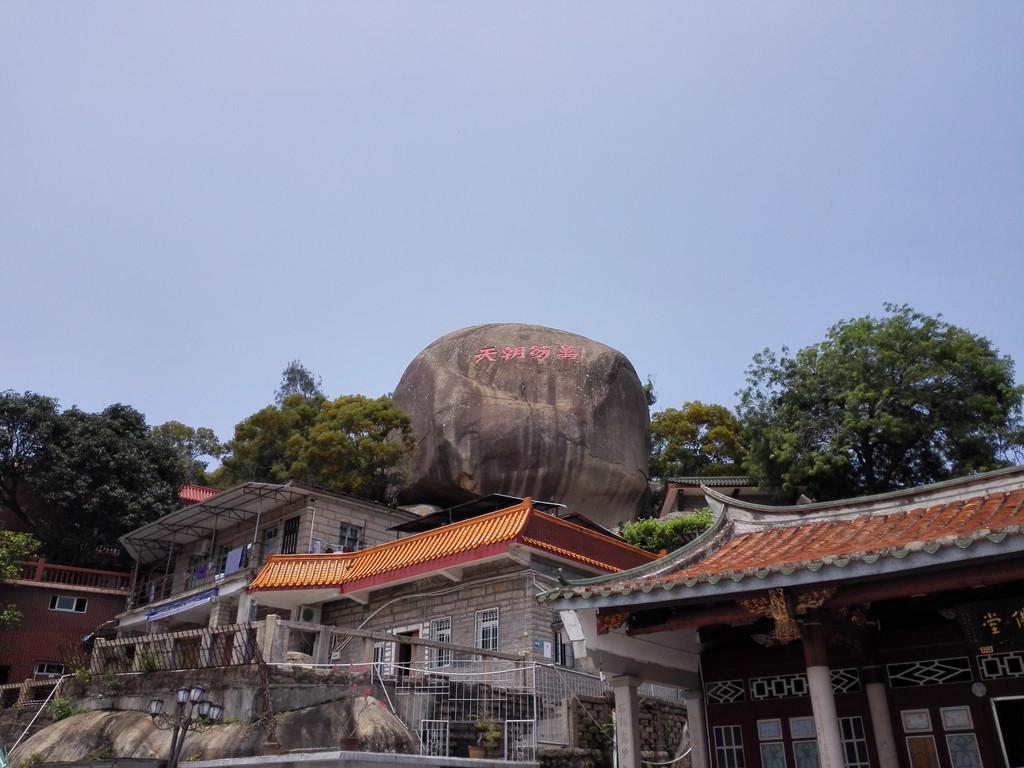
506 526
193 494
784 548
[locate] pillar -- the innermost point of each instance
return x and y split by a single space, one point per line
697 726
244 613
881 719
322 647
823 700
627 720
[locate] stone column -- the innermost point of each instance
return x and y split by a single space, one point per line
697 726
244 611
627 720
322 647
881 719
823 700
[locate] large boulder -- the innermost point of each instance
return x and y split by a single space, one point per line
528 411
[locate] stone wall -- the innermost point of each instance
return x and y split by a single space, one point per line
662 724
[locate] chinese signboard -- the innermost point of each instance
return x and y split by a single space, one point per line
537 352
996 624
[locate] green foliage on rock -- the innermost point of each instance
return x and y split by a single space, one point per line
697 439
656 535
880 404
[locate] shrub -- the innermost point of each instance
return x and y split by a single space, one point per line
148 662
59 708
83 675
110 685
655 535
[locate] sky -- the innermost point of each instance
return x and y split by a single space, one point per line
193 194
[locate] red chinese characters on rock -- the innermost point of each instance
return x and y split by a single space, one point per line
487 353
538 352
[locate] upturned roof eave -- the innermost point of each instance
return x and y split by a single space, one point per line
733 586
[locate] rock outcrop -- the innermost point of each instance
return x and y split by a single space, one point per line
528 411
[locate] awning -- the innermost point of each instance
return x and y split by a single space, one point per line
181 605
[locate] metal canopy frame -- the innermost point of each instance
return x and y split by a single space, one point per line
240 504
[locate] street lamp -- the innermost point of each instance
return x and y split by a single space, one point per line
192 712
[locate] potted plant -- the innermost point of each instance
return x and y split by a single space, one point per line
488 738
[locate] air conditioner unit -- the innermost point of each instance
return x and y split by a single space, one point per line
307 614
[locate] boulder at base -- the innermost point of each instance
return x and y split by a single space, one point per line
528 411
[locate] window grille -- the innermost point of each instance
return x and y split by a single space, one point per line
725 692
996 665
729 746
290 539
486 634
930 672
441 631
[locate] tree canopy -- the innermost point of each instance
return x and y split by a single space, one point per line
14 547
698 439
297 379
80 480
880 404
353 444
195 447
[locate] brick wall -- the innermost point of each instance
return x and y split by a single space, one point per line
43 632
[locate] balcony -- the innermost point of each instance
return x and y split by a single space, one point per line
42 572
208 573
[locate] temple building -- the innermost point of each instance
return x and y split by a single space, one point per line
880 631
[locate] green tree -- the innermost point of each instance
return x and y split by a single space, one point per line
297 379
27 421
195 447
259 450
698 439
880 404
14 547
666 535
101 475
356 445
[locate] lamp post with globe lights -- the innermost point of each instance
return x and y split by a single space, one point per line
192 712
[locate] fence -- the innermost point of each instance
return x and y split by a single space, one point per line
467 699
83 578
225 646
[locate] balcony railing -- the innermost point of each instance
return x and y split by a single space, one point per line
70 576
208 573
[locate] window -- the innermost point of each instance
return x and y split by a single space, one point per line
222 558
486 630
350 538
441 631
855 745
48 669
729 746
290 539
69 604
270 534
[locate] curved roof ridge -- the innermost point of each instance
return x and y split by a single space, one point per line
918 496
